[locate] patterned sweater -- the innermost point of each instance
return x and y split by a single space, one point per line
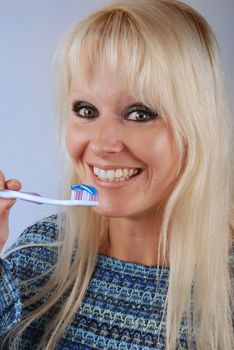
122 309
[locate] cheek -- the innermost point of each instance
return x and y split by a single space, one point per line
75 142
164 154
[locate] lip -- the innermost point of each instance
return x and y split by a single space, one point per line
113 184
114 167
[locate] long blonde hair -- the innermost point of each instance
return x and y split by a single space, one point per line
167 55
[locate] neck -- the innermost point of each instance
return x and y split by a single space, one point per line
134 240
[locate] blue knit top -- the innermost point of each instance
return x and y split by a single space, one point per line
122 309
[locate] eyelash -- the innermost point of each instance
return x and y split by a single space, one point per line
151 115
78 106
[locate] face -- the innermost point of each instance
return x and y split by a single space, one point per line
121 147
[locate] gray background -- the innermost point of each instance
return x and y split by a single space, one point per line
30 32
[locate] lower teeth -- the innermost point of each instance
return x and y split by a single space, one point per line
121 179
116 179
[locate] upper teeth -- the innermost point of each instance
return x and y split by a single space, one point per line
118 174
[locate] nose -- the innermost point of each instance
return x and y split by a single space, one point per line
107 139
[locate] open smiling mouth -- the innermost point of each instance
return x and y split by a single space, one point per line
116 175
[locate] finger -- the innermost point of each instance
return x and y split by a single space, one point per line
5 206
2 180
13 184
4 229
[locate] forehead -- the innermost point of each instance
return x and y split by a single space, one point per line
106 88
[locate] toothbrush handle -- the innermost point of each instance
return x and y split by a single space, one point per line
31 194
25 196
38 199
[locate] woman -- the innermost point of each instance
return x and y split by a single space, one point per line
143 119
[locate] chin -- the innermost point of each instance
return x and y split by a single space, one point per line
110 211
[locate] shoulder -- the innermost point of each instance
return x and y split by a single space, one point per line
26 266
43 231
35 251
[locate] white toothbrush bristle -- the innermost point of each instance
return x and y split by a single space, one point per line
84 192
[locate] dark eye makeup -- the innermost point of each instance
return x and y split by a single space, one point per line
136 113
139 113
84 110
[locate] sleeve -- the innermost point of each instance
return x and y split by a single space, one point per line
30 257
10 304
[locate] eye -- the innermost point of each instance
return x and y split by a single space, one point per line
84 110
140 114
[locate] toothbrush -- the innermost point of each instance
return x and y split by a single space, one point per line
81 195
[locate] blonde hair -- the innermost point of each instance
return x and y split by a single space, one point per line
167 55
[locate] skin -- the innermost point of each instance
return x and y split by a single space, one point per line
112 140
5 206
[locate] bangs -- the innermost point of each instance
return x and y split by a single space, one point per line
111 43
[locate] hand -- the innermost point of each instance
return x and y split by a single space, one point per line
5 206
